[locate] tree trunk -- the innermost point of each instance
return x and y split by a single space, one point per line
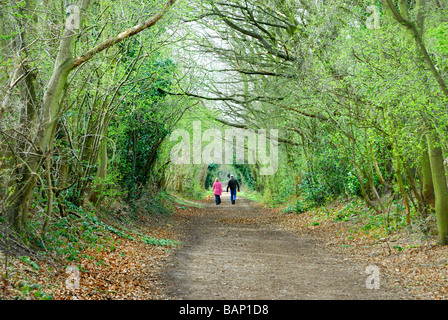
101 172
44 140
440 186
401 187
427 185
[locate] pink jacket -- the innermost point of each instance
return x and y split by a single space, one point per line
217 188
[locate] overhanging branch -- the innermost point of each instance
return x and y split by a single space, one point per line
122 36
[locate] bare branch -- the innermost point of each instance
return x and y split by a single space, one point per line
122 36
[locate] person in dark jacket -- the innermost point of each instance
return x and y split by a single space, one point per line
233 185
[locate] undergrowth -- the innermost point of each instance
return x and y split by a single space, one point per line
356 214
66 238
360 219
85 230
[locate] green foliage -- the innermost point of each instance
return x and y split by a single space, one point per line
183 202
440 33
159 242
349 211
327 174
194 189
140 127
297 207
67 237
284 188
379 225
150 203
27 260
27 289
212 171
245 173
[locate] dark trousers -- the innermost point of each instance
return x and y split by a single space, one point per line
217 199
232 195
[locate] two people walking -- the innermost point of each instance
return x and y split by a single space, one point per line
232 184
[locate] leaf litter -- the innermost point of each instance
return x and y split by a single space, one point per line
123 267
406 259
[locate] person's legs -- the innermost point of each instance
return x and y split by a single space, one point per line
232 195
217 200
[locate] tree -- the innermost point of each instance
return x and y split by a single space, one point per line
49 109
319 71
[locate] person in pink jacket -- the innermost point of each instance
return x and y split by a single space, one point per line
217 191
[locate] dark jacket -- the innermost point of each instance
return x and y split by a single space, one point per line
233 184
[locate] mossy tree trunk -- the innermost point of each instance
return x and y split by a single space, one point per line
440 186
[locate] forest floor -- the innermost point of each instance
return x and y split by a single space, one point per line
241 251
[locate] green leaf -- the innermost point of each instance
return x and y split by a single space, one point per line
27 260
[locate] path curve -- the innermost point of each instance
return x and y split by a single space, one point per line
230 252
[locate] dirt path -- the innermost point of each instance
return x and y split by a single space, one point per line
233 252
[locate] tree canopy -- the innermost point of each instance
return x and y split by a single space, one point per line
92 90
